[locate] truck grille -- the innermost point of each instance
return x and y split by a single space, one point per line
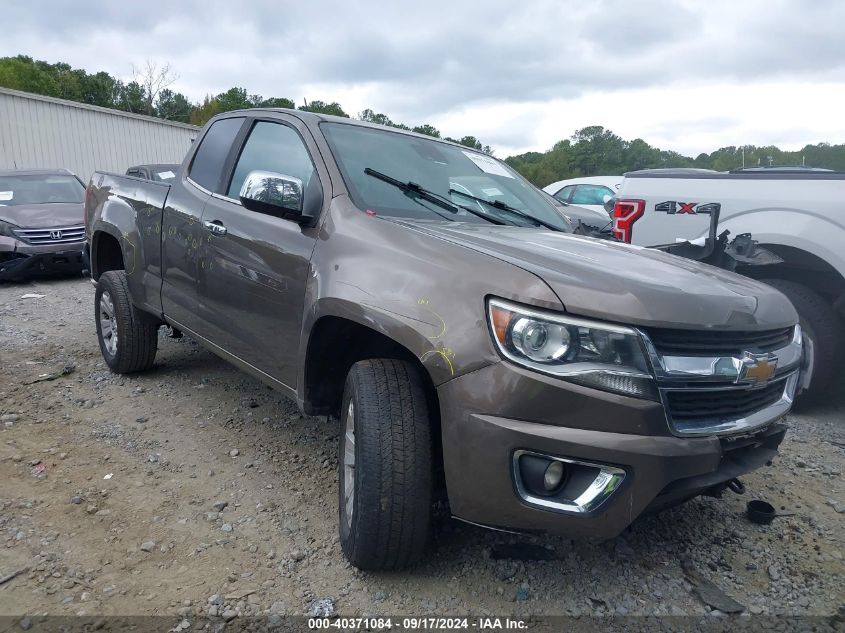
57 235
707 405
710 343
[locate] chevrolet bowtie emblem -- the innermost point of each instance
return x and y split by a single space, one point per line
757 368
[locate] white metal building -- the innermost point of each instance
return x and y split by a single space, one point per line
39 132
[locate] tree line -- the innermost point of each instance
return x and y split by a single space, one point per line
149 93
592 150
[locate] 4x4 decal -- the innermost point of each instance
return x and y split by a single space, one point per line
691 208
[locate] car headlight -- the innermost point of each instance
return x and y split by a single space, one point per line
601 355
6 229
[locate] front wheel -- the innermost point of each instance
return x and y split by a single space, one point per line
384 466
128 339
821 328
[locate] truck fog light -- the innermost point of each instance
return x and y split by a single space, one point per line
541 475
563 484
553 476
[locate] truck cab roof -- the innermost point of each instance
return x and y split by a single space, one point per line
318 117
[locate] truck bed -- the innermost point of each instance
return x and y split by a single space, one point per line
801 209
130 210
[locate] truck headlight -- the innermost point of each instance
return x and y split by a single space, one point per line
601 355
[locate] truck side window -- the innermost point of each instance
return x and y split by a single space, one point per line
207 166
272 147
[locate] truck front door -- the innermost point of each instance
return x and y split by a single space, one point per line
253 266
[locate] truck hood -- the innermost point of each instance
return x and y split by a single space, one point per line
42 216
627 284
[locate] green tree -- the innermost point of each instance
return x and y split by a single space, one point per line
68 81
21 73
173 106
470 141
277 102
596 150
428 130
638 154
233 99
99 89
371 116
202 112
322 107
131 98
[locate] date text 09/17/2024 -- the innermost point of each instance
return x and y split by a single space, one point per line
418 624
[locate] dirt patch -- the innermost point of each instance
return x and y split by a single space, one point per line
194 489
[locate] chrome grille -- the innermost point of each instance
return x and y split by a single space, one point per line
715 343
721 404
54 235
721 382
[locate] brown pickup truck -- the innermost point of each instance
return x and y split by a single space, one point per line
440 307
41 223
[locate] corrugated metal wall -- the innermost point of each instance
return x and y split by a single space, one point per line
42 132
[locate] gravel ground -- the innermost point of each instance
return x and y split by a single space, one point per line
194 489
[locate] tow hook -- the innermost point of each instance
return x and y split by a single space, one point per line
716 491
737 486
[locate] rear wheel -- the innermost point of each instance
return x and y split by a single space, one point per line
821 328
128 338
384 466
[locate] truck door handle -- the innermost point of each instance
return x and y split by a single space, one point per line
216 227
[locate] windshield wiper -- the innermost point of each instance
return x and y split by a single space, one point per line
498 204
416 192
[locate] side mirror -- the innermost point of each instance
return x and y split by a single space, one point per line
606 198
274 194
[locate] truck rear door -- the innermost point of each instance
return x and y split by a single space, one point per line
182 231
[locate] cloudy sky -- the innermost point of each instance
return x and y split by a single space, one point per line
683 75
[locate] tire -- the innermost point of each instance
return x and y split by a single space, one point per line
820 325
386 463
128 338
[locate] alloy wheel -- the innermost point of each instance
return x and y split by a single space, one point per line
108 323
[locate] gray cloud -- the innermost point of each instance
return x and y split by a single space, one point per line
420 61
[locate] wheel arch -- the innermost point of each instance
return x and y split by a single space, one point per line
325 370
800 266
337 342
106 253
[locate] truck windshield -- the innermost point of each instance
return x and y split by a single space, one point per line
440 168
39 189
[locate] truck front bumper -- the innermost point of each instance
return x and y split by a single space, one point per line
620 446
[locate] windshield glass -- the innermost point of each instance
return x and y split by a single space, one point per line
437 167
40 189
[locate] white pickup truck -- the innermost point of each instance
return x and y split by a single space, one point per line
797 213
